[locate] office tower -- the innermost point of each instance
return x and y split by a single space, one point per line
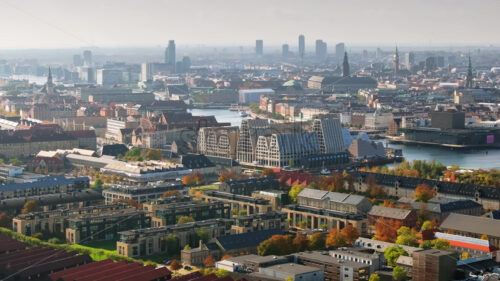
345 66
109 77
302 46
409 60
146 71
285 50
430 63
186 63
396 61
321 49
77 60
468 81
170 55
259 47
440 61
87 57
339 51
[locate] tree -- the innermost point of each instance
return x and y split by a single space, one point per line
29 207
225 257
484 237
294 192
385 230
427 225
133 154
350 233
203 235
425 244
302 224
97 183
209 261
392 254
276 245
374 277
187 247
441 244
1 161
335 239
300 242
221 273
175 265
5 221
173 246
199 178
268 173
229 175
185 219
54 240
317 241
406 237
398 273
465 256
15 162
38 170
188 180
153 154
171 193
37 235
424 193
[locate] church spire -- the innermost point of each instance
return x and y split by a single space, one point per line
468 81
345 66
396 61
49 78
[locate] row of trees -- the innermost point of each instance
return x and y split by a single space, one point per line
286 244
136 154
12 161
193 179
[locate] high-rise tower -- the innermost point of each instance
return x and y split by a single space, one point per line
396 61
468 81
170 55
259 47
302 46
345 66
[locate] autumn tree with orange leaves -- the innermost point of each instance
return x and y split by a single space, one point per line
351 234
386 230
335 239
175 265
424 193
300 242
209 261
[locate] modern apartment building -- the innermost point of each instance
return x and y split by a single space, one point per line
199 211
238 202
149 241
260 221
140 193
56 221
90 228
218 141
43 186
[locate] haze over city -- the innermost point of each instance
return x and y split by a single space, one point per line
64 24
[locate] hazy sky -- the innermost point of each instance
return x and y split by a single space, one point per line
75 23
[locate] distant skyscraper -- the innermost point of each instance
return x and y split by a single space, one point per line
302 46
146 71
285 50
186 63
430 64
259 47
170 55
396 61
345 66
339 51
468 81
87 57
321 49
409 60
77 60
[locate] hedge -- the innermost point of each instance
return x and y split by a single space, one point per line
95 254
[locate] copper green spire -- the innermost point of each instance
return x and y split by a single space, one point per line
468 81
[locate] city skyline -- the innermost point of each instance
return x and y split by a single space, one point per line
58 24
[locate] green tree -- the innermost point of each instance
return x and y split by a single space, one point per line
374 277
426 244
55 240
1 161
187 247
441 244
294 192
185 219
172 242
427 225
133 154
317 241
398 273
153 154
302 224
392 254
15 162
203 235
242 212
98 183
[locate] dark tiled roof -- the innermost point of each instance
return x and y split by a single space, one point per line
44 182
443 187
447 205
114 149
246 240
267 182
196 161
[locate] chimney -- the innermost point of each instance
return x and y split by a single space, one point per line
201 243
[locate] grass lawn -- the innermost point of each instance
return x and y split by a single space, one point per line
206 187
109 245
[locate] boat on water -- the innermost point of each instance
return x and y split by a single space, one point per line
242 114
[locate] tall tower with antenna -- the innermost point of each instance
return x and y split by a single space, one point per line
396 61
